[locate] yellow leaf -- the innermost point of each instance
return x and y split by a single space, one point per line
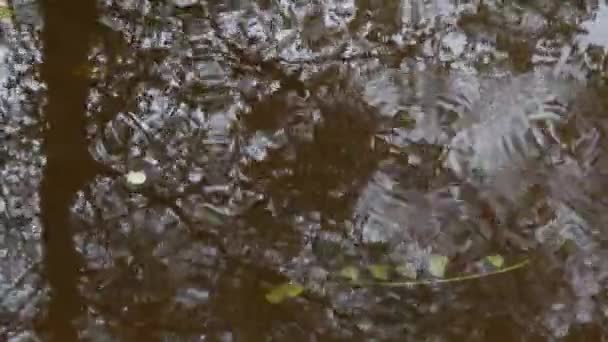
283 291
350 272
136 177
379 271
437 264
5 12
407 270
495 260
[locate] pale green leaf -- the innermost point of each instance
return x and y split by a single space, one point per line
5 12
350 272
209 216
283 291
437 264
496 260
136 177
379 271
407 270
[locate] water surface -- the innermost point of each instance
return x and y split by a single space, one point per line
284 141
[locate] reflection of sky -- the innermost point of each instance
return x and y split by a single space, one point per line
4 50
20 176
597 27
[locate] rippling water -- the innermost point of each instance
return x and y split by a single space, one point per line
295 141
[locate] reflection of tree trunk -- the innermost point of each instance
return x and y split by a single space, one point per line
68 29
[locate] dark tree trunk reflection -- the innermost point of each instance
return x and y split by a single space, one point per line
68 30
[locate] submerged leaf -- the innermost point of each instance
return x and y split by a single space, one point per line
5 12
350 272
136 177
407 270
283 291
437 264
496 260
210 216
379 271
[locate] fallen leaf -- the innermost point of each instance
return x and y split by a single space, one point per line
136 177
208 215
407 270
283 291
5 12
379 271
350 272
496 260
437 264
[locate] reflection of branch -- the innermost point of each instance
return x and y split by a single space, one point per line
138 123
170 203
18 282
15 323
241 57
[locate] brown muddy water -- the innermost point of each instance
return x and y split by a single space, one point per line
412 170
